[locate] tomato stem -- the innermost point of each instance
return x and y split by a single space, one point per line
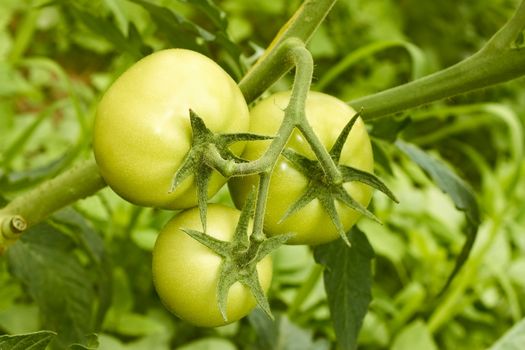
494 63
82 180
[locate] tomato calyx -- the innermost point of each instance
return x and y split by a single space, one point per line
322 188
197 162
240 257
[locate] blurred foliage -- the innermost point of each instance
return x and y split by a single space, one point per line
56 59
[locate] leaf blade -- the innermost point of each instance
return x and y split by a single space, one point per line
348 284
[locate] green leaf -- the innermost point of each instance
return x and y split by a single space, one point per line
460 192
31 341
447 180
181 32
90 342
89 240
178 31
105 28
212 11
388 128
513 339
63 288
348 284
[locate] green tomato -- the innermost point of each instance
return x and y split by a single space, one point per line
327 115
142 127
185 272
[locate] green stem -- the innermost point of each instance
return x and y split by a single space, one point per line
82 180
269 68
495 63
481 70
292 50
509 32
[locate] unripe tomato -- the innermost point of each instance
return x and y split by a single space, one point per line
142 127
185 272
327 116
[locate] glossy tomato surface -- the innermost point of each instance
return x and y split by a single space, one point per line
327 116
185 272
142 127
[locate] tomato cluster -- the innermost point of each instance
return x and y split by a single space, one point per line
142 134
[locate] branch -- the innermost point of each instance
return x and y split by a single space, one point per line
82 180
495 63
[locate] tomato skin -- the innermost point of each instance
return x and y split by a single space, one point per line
185 272
327 116
142 127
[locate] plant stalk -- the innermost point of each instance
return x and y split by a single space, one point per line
82 180
495 63
481 70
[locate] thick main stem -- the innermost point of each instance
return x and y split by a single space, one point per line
495 63
478 71
82 180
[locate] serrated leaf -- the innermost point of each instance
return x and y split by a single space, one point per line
460 192
90 342
447 180
30 341
105 28
220 30
348 284
93 244
61 286
177 30
513 339
215 13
